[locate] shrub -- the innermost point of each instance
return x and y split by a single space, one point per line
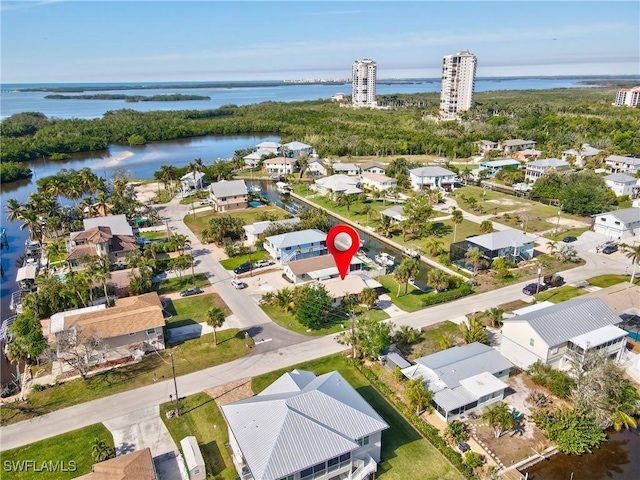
444 259
448 296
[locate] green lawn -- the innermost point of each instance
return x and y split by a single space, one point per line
177 284
338 320
406 454
190 310
72 450
576 232
233 262
604 281
189 357
195 198
200 221
432 335
409 302
154 235
201 417
560 294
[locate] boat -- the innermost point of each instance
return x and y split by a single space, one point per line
385 259
283 188
255 189
410 252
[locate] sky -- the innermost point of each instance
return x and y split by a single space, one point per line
61 41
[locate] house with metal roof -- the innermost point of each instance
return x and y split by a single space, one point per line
618 224
622 184
618 163
338 183
318 268
561 335
462 378
272 147
280 165
117 223
316 167
253 159
192 181
395 213
537 168
256 231
374 167
580 156
98 242
228 195
295 149
291 246
346 168
376 181
513 245
495 166
431 177
305 427
515 145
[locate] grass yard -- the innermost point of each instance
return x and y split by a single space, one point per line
233 262
189 357
190 310
200 221
410 302
72 450
201 417
575 232
338 319
431 339
195 198
154 235
560 294
405 453
604 281
177 284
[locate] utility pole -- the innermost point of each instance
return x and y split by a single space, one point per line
175 385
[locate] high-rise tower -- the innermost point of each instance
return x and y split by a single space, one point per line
363 83
458 80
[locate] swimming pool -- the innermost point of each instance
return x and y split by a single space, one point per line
633 335
255 204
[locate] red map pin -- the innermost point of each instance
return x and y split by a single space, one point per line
343 242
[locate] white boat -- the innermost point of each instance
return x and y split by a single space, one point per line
385 259
411 253
283 188
255 189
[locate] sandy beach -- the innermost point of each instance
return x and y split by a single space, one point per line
113 161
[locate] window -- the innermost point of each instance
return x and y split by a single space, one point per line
333 464
306 473
345 459
531 342
288 477
363 441
151 330
554 350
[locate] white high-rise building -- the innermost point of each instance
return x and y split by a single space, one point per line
628 96
363 83
458 80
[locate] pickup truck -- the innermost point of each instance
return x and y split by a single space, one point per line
554 280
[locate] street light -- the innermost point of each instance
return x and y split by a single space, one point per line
538 284
558 223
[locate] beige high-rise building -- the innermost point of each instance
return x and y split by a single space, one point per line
363 83
628 96
458 81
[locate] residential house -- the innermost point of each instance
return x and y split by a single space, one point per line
376 181
527 154
136 465
580 156
486 146
346 168
295 149
395 213
291 246
432 177
303 427
513 245
462 378
228 195
280 166
537 168
374 167
337 184
256 231
253 159
338 97
620 164
98 242
131 328
316 167
561 335
618 224
271 147
622 184
495 166
117 223
192 181
318 268
509 146
352 284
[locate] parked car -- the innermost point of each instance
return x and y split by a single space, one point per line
464 447
191 291
554 280
533 288
238 285
263 263
242 268
609 249
206 201
569 239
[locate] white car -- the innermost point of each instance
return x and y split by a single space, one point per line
206 201
263 263
238 284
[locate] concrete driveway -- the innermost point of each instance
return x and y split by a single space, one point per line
142 429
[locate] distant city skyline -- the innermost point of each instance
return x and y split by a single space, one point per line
51 41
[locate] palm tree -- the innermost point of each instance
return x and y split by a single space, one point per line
634 255
303 163
475 257
499 417
180 242
100 271
366 210
346 201
198 167
384 227
215 319
437 279
433 246
417 395
284 299
408 269
368 297
456 431
14 210
54 248
101 451
456 217
552 246
474 332
486 226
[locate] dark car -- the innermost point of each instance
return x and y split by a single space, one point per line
464 447
569 239
191 291
533 288
242 268
608 249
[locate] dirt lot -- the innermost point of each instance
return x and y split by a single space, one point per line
231 392
145 192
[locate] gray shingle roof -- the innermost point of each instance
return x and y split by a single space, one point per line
117 223
517 141
621 159
565 320
620 178
626 215
431 172
549 162
308 420
502 239
301 237
229 188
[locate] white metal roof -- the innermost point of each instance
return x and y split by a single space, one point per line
431 172
301 237
117 223
449 399
258 228
621 178
626 215
191 452
502 239
549 162
500 163
598 337
483 384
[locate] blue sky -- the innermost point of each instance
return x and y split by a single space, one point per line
126 41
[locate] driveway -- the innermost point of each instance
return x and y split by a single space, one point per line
142 429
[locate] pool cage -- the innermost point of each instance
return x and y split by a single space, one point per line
458 251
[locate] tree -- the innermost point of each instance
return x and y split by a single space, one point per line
486 226
476 258
433 246
180 264
499 265
567 253
27 343
101 451
77 346
499 417
406 336
367 337
573 431
345 200
368 297
456 431
474 331
366 210
284 299
215 319
180 242
457 218
100 271
312 306
634 255
408 269
437 279
417 395
472 459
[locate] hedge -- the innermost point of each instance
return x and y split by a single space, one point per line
427 431
448 296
